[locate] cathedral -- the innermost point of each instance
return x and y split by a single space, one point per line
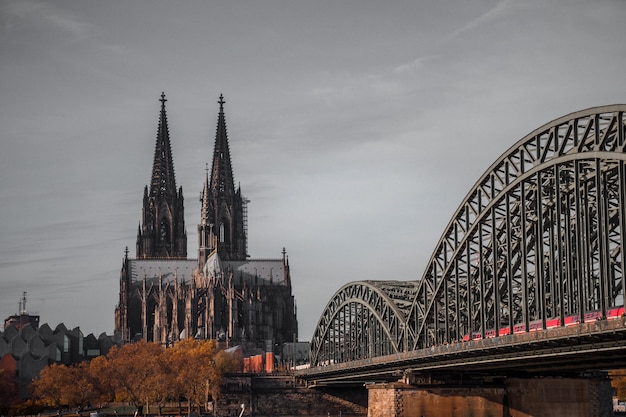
223 294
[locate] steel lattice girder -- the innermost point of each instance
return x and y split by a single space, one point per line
539 236
364 319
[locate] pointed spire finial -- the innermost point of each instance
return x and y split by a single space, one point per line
163 99
221 103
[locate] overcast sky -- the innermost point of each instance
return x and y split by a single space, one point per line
356 127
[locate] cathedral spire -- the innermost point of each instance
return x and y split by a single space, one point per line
163 179
162 232
222 171
222 207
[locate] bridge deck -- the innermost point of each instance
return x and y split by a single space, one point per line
599 345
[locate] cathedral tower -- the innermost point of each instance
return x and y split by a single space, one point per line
223 295
222 222
162 232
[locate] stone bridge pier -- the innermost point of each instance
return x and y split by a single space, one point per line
587 396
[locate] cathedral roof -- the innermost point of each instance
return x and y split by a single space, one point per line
266 269
271 270
168 269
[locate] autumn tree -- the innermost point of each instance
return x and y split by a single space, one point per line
81 390
61 385
196 375
103 388
159 385
50 386
8 390
140 373
228 362
130 368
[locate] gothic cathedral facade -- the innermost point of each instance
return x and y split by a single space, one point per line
223 294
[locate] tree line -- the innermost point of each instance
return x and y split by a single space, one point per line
141 374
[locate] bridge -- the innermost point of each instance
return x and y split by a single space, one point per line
527 278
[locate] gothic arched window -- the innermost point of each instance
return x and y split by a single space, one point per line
164 229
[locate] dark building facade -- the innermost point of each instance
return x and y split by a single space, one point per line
26 350
223 294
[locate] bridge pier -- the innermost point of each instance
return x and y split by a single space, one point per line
506 397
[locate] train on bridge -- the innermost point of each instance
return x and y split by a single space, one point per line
552 323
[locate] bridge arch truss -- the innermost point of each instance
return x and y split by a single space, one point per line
364 319
537 242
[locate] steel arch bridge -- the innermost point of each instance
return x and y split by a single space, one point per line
537 243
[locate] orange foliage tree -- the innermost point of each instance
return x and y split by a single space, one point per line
140 373
228 363
81 390
196 376
51 385
8 391
103 387
159 384
60 385
129 369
